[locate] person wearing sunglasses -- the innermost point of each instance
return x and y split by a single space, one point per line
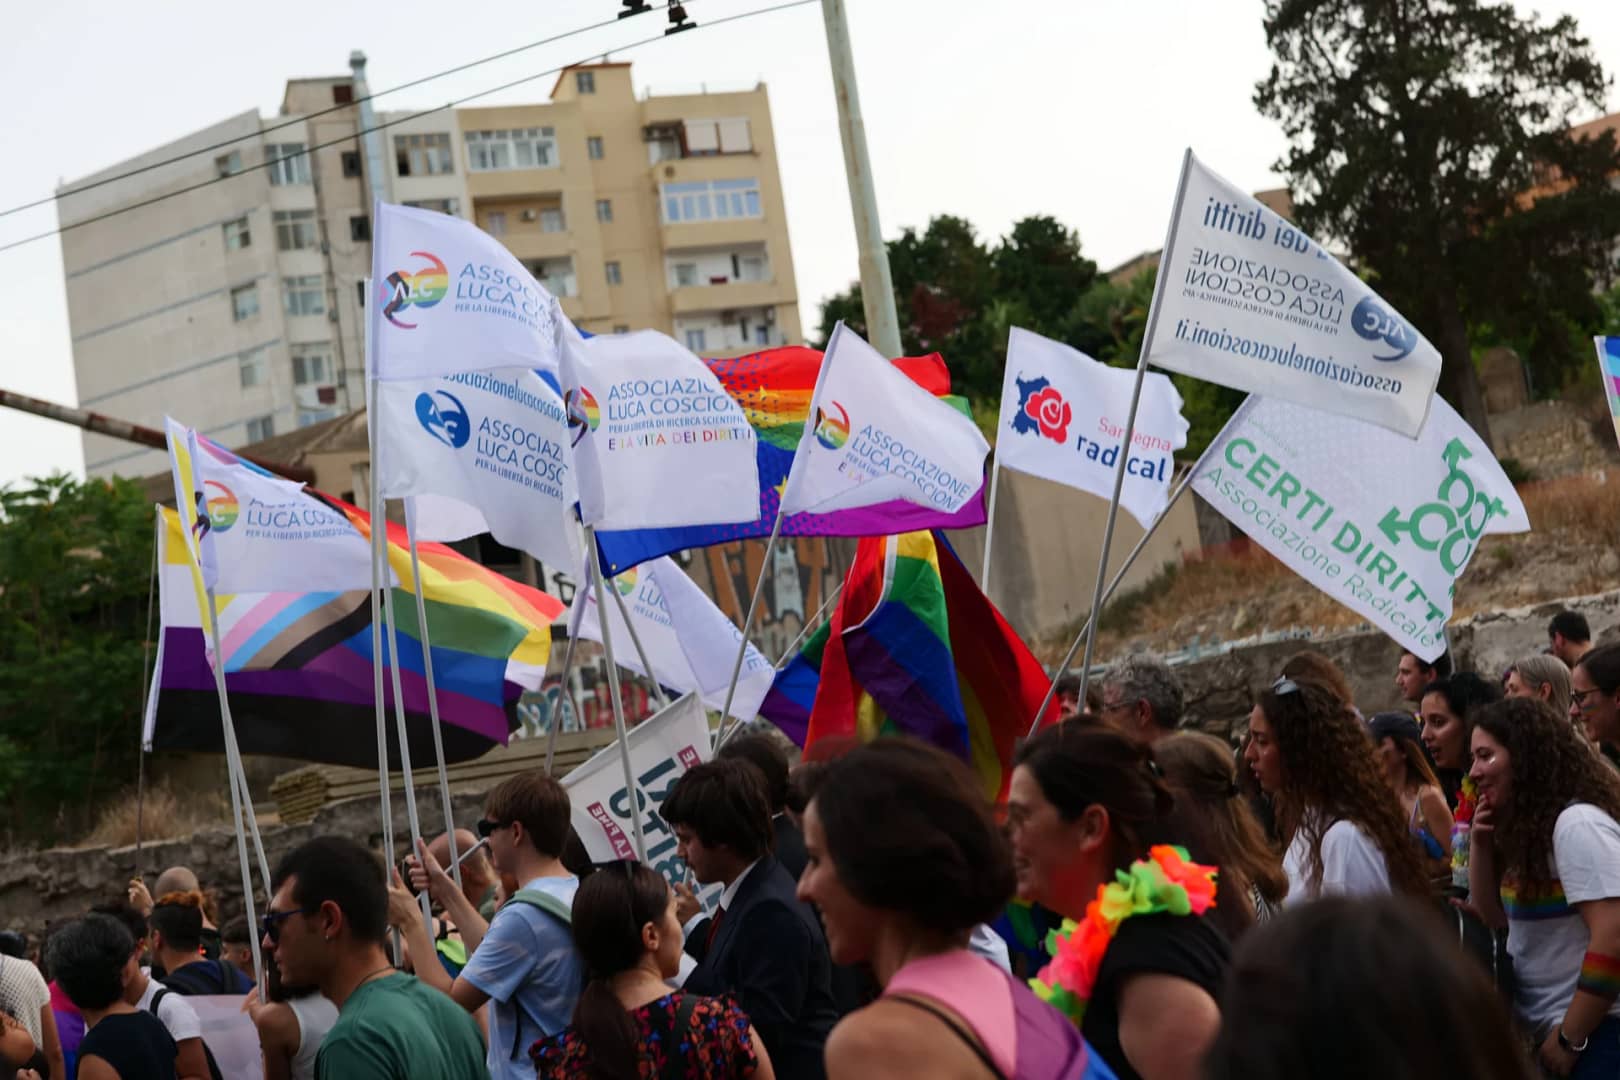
326 926
1342 825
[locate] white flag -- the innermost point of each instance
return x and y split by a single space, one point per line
690 643
491 449
253 532
1382 524
1247 300
1063 418
448 297
662 748
875 436
657 440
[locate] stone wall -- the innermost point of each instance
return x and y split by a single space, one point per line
1554 438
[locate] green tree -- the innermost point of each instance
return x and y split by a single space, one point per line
75 569
1416 129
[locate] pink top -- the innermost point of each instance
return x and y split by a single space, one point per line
972 988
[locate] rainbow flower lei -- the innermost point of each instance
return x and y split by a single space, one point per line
1165 882
1461 823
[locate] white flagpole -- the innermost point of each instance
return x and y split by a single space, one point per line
1119 576
809 627
1130 418
402 729
379 561
635 639
990 521
432 692
613 693
748 624
233 764
564 694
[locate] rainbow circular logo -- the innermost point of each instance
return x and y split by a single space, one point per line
223 508
583 413
626 582
422 288
832 431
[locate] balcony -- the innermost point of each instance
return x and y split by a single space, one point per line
731 295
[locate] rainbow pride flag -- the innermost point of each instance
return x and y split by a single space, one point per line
298 666
774 388
1608 350
914 648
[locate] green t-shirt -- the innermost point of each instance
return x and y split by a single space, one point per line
396 1028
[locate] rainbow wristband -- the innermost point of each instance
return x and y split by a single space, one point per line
1600 975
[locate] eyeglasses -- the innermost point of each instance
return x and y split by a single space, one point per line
1579 696
1284 686
271 923
486 826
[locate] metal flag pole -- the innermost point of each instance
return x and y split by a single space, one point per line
146 674
1130 418
378 578
990 521
635 639
402 728
618 703
748 624
563 693
432 692
808 628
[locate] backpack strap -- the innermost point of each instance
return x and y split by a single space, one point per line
676 1064
157 998
557 909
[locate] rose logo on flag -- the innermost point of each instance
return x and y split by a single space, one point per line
1042 410
444 417
222 508
583 413
832 432
424 288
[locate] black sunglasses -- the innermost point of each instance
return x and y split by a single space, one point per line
271 923
486 826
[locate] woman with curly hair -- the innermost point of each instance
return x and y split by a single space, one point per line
1546 864
1343 828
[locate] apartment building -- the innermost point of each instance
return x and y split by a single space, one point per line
237 306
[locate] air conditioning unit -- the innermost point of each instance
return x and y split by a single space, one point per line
530 215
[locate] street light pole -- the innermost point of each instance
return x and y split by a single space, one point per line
877 289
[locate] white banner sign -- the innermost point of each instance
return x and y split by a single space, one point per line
230 1034
662 748
1382 524
1247 300
876 436
1063 418
448 297
495 442
657 440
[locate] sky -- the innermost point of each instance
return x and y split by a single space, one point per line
991 112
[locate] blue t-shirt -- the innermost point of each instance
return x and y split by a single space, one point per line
528 967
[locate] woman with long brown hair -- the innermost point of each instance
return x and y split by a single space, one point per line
1410 776
1546 864
1203 773
1343 828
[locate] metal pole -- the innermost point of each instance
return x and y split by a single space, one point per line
808 628
990 523
877 288
563 692
379 561
1125 567
635 639
748 624
618 704
1130 418
432 692
402 728
146 674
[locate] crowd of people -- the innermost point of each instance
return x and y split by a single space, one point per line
1427 891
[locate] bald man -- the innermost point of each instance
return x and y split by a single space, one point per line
478 883
176 879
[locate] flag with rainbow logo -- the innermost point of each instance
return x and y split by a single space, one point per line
1608 350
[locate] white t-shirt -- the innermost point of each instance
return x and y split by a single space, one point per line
174 1010
1352 865
1547 937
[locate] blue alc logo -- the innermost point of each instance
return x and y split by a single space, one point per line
444 417
1374 321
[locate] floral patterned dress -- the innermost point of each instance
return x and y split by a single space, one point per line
714 1042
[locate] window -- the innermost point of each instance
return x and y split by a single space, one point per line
343 94
749 268
237 236
260 428
707 137
710 200
351 164
551 220
245 302
295 229
304 295
663 142
520 148
604 210
288 164
593 147
557 275
694 341
360 289
360 228
614 275
423 155
228 164
443 206
311 365
252 369
621 329
585 82
495 223
685 274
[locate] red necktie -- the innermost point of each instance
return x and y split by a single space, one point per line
714 927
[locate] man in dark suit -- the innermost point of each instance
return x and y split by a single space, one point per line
765 753
762 944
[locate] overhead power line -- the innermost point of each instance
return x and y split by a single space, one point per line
708 24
